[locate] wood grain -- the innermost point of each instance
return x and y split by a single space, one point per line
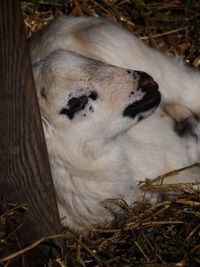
25 175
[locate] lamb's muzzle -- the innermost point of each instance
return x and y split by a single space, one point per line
150 101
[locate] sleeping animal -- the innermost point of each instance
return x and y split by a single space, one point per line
97 86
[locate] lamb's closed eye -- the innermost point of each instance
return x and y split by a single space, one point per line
75 104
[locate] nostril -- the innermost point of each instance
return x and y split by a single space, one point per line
147 83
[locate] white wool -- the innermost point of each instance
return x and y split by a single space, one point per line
100 154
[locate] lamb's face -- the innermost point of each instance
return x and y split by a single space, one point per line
83 100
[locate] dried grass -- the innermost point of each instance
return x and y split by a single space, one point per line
166 233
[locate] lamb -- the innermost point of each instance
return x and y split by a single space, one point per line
97 87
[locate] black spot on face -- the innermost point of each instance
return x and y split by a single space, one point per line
75 104
131 93
150 101
93 95
43 92
65 111
186 127
140 117
131 72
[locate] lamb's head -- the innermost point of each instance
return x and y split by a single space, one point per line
84 101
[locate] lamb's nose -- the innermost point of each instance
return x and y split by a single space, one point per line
146 83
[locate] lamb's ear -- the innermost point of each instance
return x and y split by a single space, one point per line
37 70
47 127
42 97
39 79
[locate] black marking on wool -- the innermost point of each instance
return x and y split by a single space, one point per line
93 95
43 92
74 105
131 72
149 101
65 111
131 94
186 127
140 117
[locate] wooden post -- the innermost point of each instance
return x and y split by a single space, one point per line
25 175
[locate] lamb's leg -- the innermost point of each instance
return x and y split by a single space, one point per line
187 126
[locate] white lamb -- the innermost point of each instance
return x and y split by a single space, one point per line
93 87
